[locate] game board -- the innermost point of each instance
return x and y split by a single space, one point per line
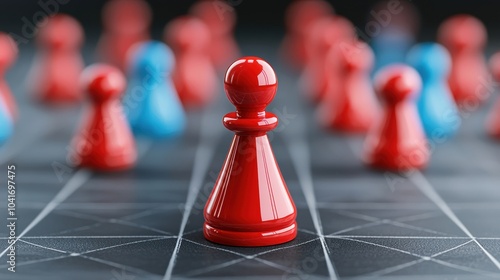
354 223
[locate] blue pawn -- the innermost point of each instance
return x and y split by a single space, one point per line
151 102
6 124
437 109
390 47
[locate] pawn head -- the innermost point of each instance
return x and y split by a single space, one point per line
150 58
356 56
430 60
397 82
187 33
462 32
219 16
328 31
495 66
61 32
300 14
126 16
8 50
339 29
103 82
250 84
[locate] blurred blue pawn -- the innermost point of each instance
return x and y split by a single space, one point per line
151 103
390 47
6 124
437 109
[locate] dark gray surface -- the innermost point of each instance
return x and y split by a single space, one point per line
354 223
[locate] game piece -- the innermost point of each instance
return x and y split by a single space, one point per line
353 107
436 107
397 142
325 33
493 122
125 22
152 105
104 141
194 74
465 38
391 47
59 63
6 123
220 19
390 30
8 55
299 17
250 204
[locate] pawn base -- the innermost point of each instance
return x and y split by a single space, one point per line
250 239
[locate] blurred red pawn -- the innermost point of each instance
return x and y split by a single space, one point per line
397 142
325 34
104 141
58 64
194 74
299 17
465 37
126 22
220 19
8 55
493 123
350 106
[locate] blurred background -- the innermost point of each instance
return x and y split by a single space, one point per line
256 17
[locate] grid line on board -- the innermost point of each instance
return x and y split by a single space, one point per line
76 181
204 152
428 190
301 159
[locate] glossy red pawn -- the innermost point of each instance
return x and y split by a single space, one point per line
250 204
493 123
104 141
350 105
194 74
397 142
299 18
325 34
125 22
465 37
58 64
220 19
8 55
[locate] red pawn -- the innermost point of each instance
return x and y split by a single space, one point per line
299 18
194 75
398 142
493 123
325 34
250 204
465 37
126 22
220 19
104 141
8 55
58 65
350 104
